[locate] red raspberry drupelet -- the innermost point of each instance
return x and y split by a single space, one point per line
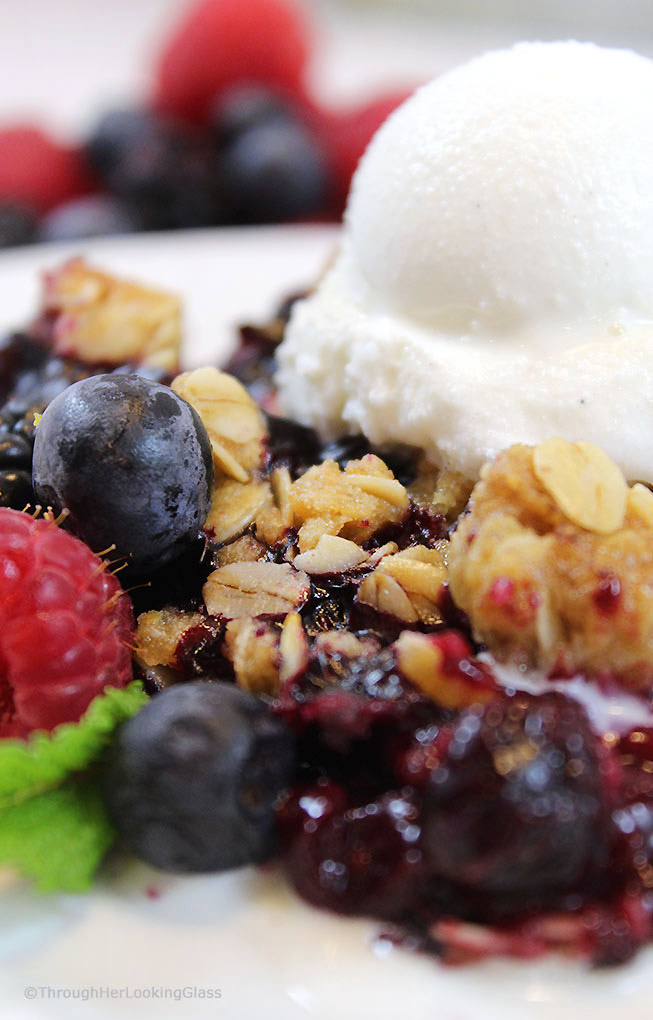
66 626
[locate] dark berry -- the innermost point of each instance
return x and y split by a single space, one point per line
274 171
131 460
35 389
242 107
15 451
19 355
93 216
16 489
114 135
362 859
25 427
513 799
17 225
195 777
291 445
160 168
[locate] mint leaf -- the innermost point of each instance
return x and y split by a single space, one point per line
53 824
57 838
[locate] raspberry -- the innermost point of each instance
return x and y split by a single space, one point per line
38 172
222 42
65 626
347 135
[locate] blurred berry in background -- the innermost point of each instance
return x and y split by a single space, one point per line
229 135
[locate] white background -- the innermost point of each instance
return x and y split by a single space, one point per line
61 61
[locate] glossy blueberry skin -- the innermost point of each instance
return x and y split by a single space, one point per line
17 225
162 169
194 778
116 132
242 107
16 489
131 461
15 452
273 171
91 216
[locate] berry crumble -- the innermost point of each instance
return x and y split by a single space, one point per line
240 642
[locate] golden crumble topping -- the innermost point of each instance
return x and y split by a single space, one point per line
234 422
354 503
101 319
554 562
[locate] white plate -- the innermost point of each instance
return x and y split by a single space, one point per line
146 944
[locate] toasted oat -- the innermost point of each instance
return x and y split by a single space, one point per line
441 492
421 660
245 549
276 517
585 484
640 503
408 584
380 591
353 503
343 644
235 505
100 319
158 634
542 589
331 555
294 647
255 589
384 550
253 648
232 419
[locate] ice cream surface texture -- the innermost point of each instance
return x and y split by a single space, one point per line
494 283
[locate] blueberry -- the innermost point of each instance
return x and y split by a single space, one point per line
16 489
132 462
19 354
115 134
92 216
15 451
243 106
194 778
25 427
17 225
274 171
514 807
161 168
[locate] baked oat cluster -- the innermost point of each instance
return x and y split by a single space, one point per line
274 536
554 563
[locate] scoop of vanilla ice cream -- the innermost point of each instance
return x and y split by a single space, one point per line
494 282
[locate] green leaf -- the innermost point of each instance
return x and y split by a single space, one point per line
58 838
53 825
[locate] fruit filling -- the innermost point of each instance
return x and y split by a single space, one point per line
427 699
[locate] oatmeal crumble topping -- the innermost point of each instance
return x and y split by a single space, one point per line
159 633
554 564
253 648
232 419
354 503
104 320
235 506
245 589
